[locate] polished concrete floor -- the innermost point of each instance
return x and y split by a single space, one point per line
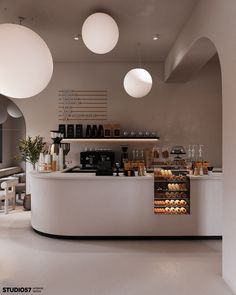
100 267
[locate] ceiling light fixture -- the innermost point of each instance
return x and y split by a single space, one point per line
13 110
76 37
100 33
138 81
155 37
26 64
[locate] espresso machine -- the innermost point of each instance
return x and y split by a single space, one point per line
91 159
57 137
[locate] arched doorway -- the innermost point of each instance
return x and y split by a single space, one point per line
13 129
201 60
225 47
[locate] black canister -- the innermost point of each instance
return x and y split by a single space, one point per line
88 132
94 131
70 131
78 130
100 131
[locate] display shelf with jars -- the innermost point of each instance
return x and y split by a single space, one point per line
104 133
111 139
171 192
164 157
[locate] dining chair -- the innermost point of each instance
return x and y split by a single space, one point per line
8 193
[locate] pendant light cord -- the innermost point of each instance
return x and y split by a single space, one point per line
139 54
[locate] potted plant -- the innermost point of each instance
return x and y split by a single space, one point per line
30 149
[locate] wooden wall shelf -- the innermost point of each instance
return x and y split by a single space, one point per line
111 140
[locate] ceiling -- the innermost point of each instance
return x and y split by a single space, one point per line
58 21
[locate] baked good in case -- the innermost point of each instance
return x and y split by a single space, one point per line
183 210
172 210
176 210
167 210
183 202
160 202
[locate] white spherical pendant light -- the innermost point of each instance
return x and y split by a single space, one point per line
26 63
138 82
100 33
14 111
3 114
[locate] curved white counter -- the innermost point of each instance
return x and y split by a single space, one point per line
82 204
206 201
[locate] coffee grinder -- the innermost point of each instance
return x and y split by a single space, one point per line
124 155
57 137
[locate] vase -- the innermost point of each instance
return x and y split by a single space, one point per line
27 202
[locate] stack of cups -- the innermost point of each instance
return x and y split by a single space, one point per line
54 162
48 165
41 162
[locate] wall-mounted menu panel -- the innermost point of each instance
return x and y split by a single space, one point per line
82 105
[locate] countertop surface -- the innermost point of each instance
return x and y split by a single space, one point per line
84 176
92 175
213 176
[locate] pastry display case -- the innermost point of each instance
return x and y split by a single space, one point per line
171 192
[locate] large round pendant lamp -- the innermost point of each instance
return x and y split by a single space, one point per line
100 33
3 114
26 63
14 111
138 82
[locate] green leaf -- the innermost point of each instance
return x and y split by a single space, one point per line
30 149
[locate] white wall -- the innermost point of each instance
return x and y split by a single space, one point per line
215 19
183 114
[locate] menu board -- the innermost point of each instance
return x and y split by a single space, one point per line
75 105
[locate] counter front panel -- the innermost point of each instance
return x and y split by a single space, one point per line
70 204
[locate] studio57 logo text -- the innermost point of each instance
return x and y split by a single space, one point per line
21 290
16 289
